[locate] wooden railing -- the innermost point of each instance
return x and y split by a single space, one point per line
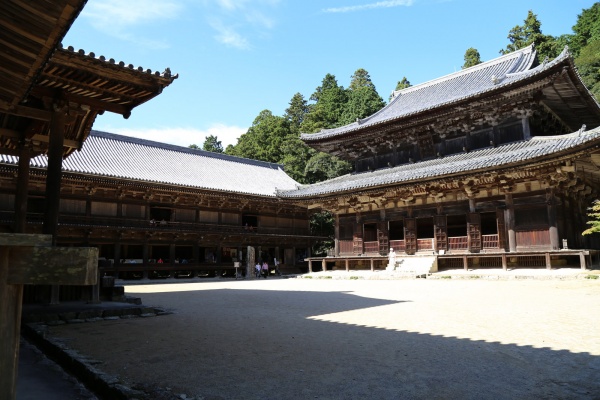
424 244
397 245
371 247
490 241
141 224
458 243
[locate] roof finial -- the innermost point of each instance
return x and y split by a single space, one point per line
582 129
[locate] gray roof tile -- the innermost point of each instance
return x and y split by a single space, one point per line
485 77
109 155
531 150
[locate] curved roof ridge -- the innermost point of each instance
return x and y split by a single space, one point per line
519 54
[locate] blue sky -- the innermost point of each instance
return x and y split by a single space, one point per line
236 58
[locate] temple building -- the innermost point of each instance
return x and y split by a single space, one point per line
491 166
157 210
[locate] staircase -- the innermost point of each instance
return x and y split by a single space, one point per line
419 266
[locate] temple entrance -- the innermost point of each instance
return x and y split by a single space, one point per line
425 234
489 230
457 232
396 231
371 244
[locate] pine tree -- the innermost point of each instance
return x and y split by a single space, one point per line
472 58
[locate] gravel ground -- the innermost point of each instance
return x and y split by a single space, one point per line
356 339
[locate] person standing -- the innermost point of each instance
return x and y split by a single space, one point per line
257 269
265 269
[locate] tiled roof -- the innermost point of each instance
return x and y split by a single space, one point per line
532 150
115 156
482 78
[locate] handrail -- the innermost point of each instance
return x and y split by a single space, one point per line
141 224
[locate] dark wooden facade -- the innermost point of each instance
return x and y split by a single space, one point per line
469 177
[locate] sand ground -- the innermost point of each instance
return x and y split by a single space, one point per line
356 339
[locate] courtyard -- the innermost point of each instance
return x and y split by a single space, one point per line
355 339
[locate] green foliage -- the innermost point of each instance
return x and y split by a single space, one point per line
472 58
403 84
213 144
322 166
588 65
264 139
586 30
327 111
193 146
591 277
296 112
363 99
594 221
322 224
531 32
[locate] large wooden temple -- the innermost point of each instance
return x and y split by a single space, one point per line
158 210
491 166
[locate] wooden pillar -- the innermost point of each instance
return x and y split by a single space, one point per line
310 266
53 181
548 261
22 188
553 227
465 263
347 265
11 298
324 265
504 262
336 245
54 174
372 265
582 263
509 220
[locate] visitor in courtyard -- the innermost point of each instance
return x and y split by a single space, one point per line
265 269
257 269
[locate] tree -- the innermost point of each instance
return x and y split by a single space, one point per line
213 144
531 32
296 112
363 99
588 66
330 100
586 29
193 146
594 221
472 58
322 166
264 138
403 84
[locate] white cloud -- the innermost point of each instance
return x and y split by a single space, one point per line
369 6
229 36
118 18
182 136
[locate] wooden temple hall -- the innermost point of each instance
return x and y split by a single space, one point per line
493 166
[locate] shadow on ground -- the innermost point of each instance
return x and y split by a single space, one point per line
271 344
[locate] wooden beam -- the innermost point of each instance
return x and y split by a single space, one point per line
11 133
27 112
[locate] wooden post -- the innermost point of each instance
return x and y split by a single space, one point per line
310 270
465 263
347 265
29 259
553 229
324 265
548 262
372 265
504 262
22 188
582 260
509 220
